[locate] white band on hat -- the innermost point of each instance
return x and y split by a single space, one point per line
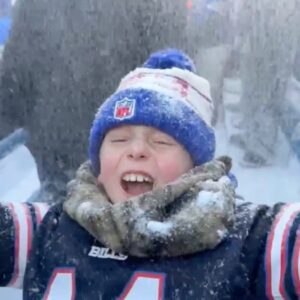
179 84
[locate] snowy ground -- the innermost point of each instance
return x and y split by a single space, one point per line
18 176
268 185
278 183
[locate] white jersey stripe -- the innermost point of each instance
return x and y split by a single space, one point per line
276 256
23 236
30 231
40 211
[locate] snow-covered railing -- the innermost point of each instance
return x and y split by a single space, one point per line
8 144
19 180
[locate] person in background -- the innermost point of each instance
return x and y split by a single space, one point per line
211 28
62 57
5 22
269 36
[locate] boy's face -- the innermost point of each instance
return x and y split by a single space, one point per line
137 159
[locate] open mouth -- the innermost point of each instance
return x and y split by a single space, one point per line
136 183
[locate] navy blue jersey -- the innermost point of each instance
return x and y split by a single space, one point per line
258 260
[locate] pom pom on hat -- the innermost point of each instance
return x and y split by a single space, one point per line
170 58
164 94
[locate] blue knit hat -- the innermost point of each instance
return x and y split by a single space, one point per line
165 94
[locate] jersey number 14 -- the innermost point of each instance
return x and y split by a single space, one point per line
142 285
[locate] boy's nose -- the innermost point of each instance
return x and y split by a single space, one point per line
138 150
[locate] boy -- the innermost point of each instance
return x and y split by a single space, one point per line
151 216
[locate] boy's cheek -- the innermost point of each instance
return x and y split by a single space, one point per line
106 167
173 166
107 173
170 170
102 177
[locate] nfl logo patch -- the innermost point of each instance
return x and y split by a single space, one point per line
124 109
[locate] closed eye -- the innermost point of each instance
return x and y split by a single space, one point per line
161 142
118 140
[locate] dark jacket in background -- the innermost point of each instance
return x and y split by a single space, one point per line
65 57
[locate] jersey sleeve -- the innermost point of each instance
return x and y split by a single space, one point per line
281 259
269 265
272 252
18 223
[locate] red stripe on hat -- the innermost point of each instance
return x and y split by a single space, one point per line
181 82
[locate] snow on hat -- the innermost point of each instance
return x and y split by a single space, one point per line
165 94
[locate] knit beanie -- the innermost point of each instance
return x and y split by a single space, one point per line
165 93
